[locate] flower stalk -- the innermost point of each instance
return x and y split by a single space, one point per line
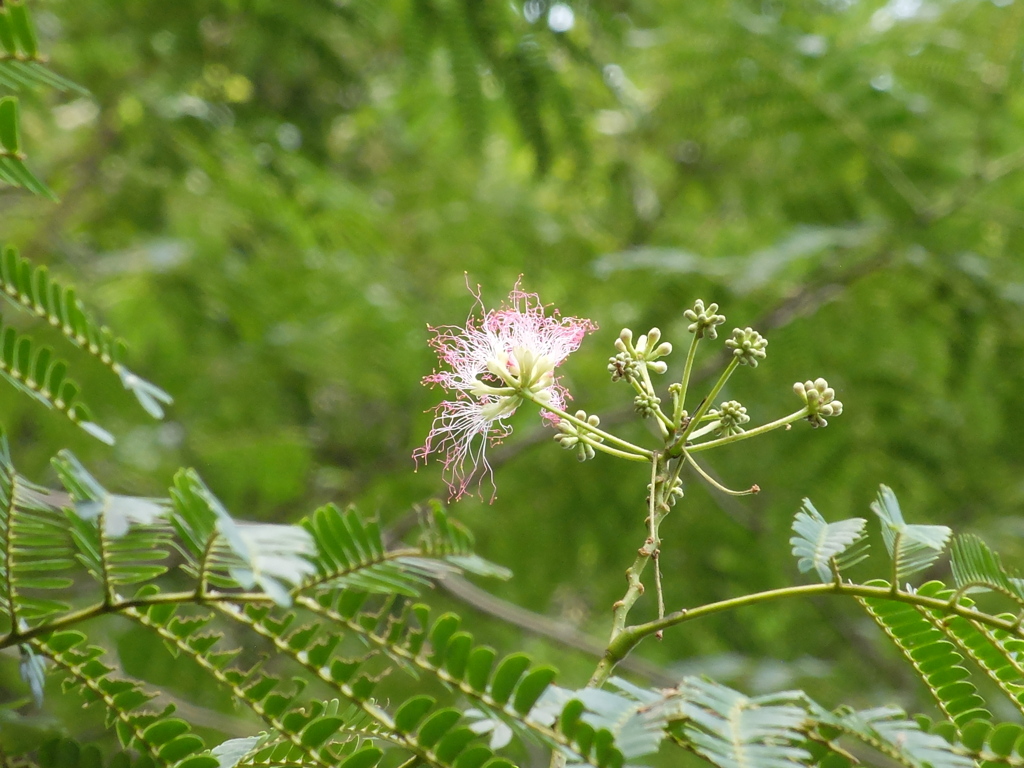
785 421
507 357
679 395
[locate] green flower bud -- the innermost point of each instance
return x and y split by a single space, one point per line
625 341
627 361
675 493
820 400
703 321
748 345
570 436
585 451
623 366
731 415
648 350
646 404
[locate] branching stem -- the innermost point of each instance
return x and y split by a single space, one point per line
615 451
608 436
712 482
664 422
709 400
663 476
795 416
630 637
684 383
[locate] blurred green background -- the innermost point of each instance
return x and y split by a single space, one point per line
271 201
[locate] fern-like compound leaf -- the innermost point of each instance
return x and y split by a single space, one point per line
913 548
995 652
509 696
121 539
889 731
932 654
165 740
993 743
226 553
634 718
975 566
32 289
734 731
13 170
351 554
21 65
443 537
38 555
31 370
93 502
824 546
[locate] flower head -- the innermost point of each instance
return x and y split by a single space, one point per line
703 320
501 357
747 345
820 400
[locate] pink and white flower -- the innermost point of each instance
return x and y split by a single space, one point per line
493 362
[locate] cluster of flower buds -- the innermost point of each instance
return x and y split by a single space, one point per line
820 400
570 435
747 345
703 320
646 404
731 416
630 357
622 366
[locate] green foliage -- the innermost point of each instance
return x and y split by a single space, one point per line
847 171
34 290
826 547
21 67
39 553
165 739
326 570
932 655
497 43
913 548
25 364
977 568
31 370
939 634
887 730
731 730
307 592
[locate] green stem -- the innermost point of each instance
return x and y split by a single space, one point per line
657 511
795 416
664 423
616 452
710 399
608 436
630 637
711 427
684 383
101 609
712 482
